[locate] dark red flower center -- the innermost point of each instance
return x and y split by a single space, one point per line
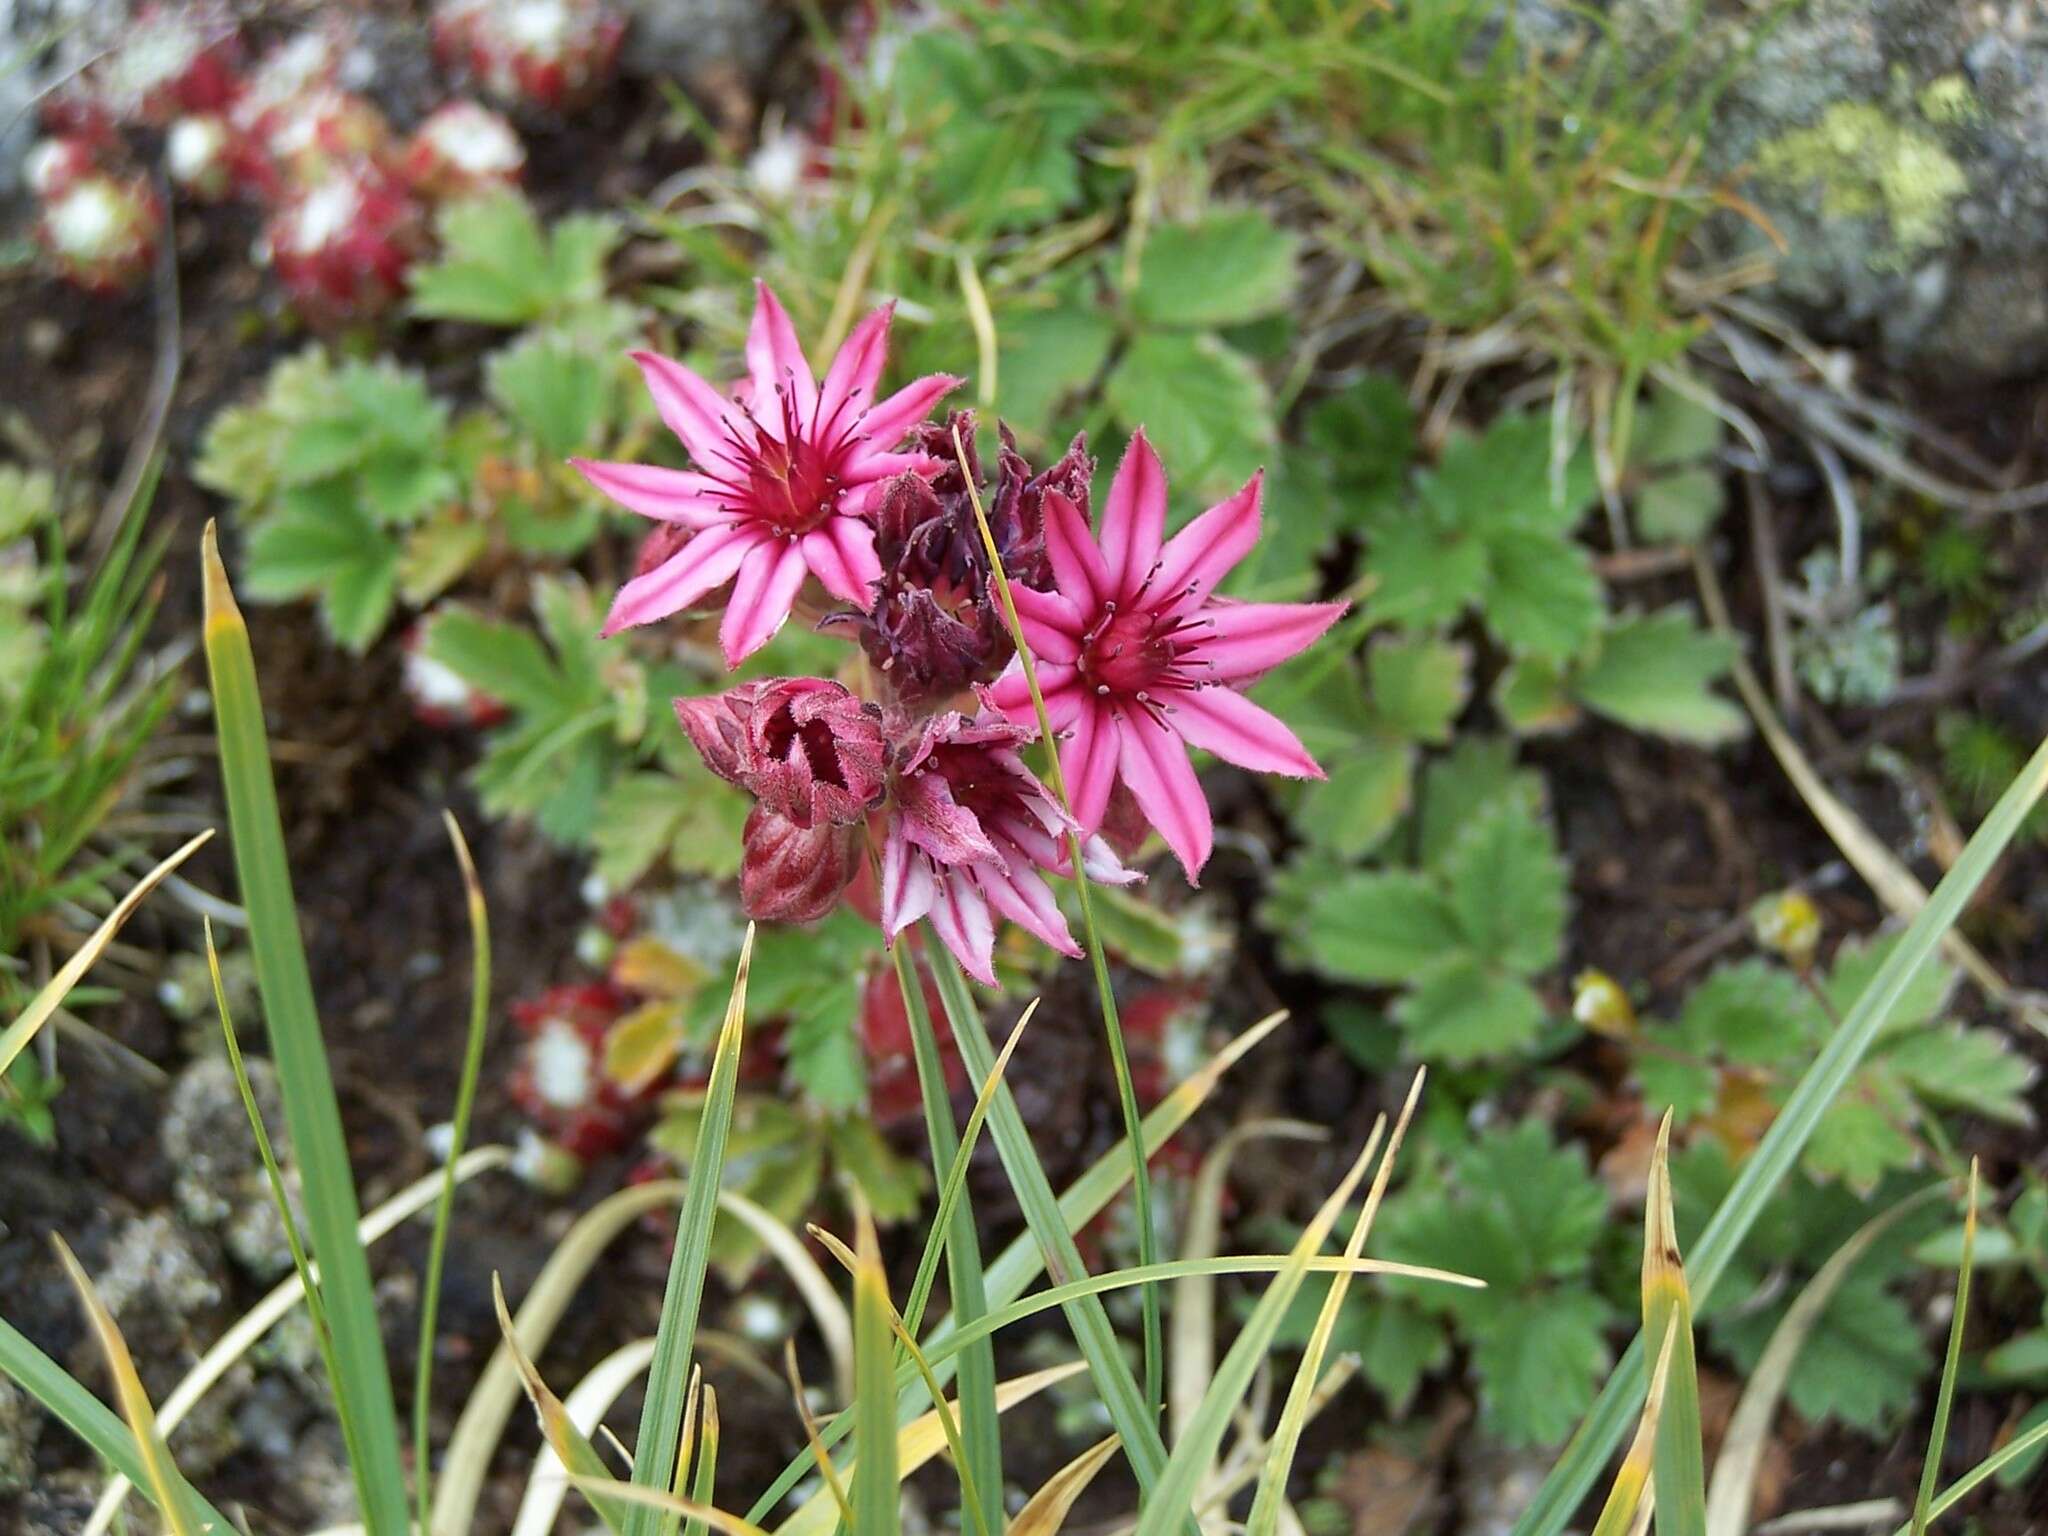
792 480
1132 654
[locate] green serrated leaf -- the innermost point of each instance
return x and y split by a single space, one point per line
1384 926
1044 355
1367 792
1654 672
1419 685
1543 598
1459 786
1221 269
1507 887
1463 1012
498 267
1205 407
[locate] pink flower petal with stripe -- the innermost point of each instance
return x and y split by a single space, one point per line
960 915
1154 763
762 594
1239 731
1134 518
1077 566
1207 550
666 495
707 561
858 368
700 417
775 361
1233 642
1088 760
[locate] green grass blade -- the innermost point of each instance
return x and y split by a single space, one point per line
363 1386
1286 1441
1986 1469
1171 1501
1607 1421
444 1210
1634 1479
1023 1260
1130 1412
877 1502
1945 1399
72 1405
668 1378
955 1220
1680 1460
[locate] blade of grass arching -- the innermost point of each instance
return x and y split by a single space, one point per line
1625 1512
668 1378
954 1224
558 1429
1171 1502
1130 1410
225 1351
1105 993
587 1404
660 1505
16 1037
1301 1393
311 1113
165 1483
1191 1334
67 1401
1680 1461
465 1105
955 1185
1945 1399
1045 1512
1023 1260
309 1283
1989 1467
835 1325
877 1503
1749 1429
1776 1154
917 1443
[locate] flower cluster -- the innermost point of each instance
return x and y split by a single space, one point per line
347 198
910 792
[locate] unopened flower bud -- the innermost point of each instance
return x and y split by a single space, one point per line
805 748
1788 924
1599 1003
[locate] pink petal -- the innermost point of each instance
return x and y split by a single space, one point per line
1046 611
1088 762
885 423
1155 765
667 495
709 560
1100 863
761 596
1012 695
1235 641
689 407
1077 566
1240 732
857 369
1205 551
1063 694
960 915
1021 894
933 820
869 471
907 888
1134 518
822 555
775 360
856 543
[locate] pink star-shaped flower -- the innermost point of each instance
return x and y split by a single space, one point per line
787 470
1138 661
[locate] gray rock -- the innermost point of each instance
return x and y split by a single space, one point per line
705 44
1901 149
219 1181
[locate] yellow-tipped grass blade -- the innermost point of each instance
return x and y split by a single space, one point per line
586 1468
1046 1510
1667 1311
919 1441
1633 1494
166 1486
16 1037
877 1504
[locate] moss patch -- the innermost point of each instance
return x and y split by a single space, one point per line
1866 163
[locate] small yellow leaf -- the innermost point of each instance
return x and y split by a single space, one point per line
646 964
640 1048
